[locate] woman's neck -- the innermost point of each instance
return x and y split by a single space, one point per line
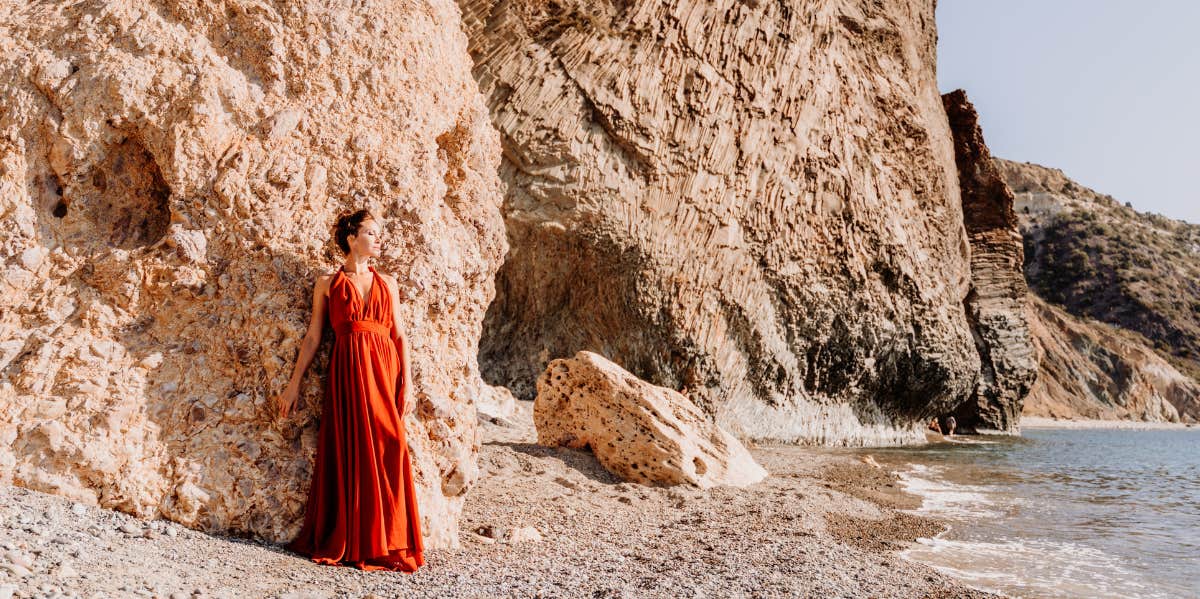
355 264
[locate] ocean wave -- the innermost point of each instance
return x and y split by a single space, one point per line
940 497
1029 567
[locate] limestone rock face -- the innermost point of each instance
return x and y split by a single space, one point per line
638 431
755 203
997 300
169 172
1096 371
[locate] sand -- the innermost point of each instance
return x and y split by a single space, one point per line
822 525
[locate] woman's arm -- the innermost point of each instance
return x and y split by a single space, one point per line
401 342
308 347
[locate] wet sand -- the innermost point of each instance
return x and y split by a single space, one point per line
822 525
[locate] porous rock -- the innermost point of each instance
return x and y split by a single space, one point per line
169 172
638 431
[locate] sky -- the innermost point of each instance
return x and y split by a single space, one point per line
1106 90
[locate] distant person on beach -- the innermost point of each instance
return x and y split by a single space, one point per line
362 506
950 424
935 426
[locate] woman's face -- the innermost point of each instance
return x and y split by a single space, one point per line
368 242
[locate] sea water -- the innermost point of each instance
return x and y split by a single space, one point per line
1062 513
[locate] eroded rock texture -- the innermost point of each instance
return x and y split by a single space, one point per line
169 171
638 431
996 302
1096 371
755 203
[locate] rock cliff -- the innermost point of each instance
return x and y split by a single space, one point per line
755 203
1103 261
1095 371
169 171
996 301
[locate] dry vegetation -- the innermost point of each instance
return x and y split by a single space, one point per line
1104 260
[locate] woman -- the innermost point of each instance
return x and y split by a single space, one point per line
362 508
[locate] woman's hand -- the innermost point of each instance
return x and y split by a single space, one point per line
409 401
287 400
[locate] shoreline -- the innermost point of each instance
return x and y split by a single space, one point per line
821 525
1037 422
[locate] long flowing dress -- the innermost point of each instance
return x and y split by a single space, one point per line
362 507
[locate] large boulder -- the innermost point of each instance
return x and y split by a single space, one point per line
754 202
169 171
637 431
997 298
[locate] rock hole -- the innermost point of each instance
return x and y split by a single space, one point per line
128 200
51 192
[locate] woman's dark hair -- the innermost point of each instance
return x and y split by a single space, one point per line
347 225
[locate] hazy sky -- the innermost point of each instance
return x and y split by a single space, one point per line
1106 90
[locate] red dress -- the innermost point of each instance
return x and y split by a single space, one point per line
362 506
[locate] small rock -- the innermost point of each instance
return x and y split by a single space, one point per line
130 529
525 534
478 538
65 571
15 557
78 509
179 595
171 531
505 534
7 591
149 533
16 569
305 594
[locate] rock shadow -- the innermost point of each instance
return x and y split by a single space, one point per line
581 460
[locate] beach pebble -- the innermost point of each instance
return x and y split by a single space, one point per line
65 570
13 556
512 536
171 531
16 569
478 538
306 594
78 509
130 529
7 591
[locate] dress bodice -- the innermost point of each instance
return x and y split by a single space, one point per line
346 306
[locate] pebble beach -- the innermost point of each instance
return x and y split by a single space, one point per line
542 522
